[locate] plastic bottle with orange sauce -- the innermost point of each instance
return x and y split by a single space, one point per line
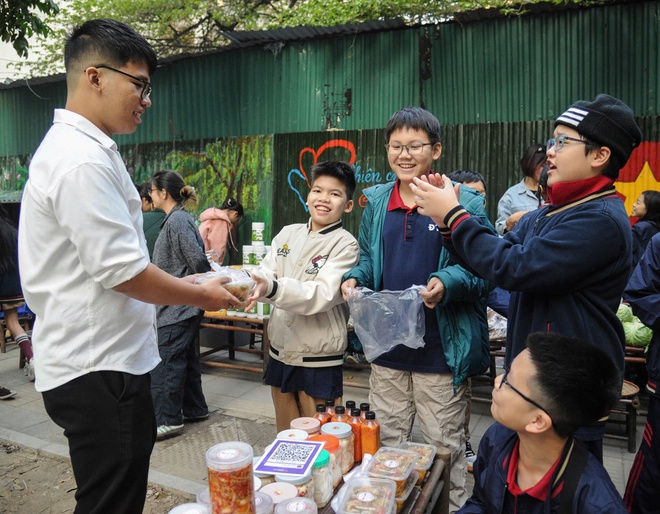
370 434
321 414
355 420
340 415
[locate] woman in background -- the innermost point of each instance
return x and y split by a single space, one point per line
216 228
176 383
647 209
521 198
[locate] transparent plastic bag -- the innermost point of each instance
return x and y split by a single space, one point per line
240 283
385 319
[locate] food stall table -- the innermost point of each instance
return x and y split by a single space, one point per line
231 324
433 494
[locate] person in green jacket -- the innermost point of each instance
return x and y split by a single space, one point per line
152 218
399 248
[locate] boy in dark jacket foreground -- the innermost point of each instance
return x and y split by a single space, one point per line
529 461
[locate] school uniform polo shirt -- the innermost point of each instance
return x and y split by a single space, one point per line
411 252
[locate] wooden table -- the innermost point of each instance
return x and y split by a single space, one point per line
434 492
232 324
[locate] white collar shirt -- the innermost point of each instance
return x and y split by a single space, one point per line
80 235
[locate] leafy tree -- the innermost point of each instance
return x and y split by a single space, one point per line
19 20
180 26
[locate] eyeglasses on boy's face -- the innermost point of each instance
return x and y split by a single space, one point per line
523 396
558 142
146 85
412 148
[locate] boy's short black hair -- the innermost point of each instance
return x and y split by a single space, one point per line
576 382
466 176
414 118
109 42
341 170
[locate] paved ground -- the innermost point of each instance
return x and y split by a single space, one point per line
241 410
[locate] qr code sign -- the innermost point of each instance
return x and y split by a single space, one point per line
291 453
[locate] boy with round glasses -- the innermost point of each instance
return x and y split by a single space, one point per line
400 247
528 459
568 262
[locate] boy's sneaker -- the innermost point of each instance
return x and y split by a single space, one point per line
356 358
29 370
470 456
5 393
195 419
165 431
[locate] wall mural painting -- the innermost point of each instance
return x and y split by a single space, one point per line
298 178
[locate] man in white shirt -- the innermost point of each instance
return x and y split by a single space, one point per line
86 271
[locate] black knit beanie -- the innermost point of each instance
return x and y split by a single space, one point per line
606 121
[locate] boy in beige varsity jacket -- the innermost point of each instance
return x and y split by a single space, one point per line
301 278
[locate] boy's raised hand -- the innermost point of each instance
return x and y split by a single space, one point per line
435 196
260 289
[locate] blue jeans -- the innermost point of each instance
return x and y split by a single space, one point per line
176 383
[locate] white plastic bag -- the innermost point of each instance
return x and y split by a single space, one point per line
384 319
240 282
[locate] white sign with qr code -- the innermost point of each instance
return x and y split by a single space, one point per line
287 457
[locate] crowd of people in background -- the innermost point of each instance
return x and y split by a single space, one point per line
561 254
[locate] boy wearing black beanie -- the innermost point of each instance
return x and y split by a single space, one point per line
568 262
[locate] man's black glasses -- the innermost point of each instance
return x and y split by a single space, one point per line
523 396
146 85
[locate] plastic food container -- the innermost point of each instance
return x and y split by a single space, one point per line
322 473
204 496
303 505
263 502
304 484
292 433
264 477
343 432
331 444
310 425
368 495
191 508
426 454
407 489
231 480
394 464
257 482
279 491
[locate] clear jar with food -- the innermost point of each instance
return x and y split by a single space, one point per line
304 484
310 425
231 481
343 432
331 444
264 477
426 453
394 464
365 494
322 473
